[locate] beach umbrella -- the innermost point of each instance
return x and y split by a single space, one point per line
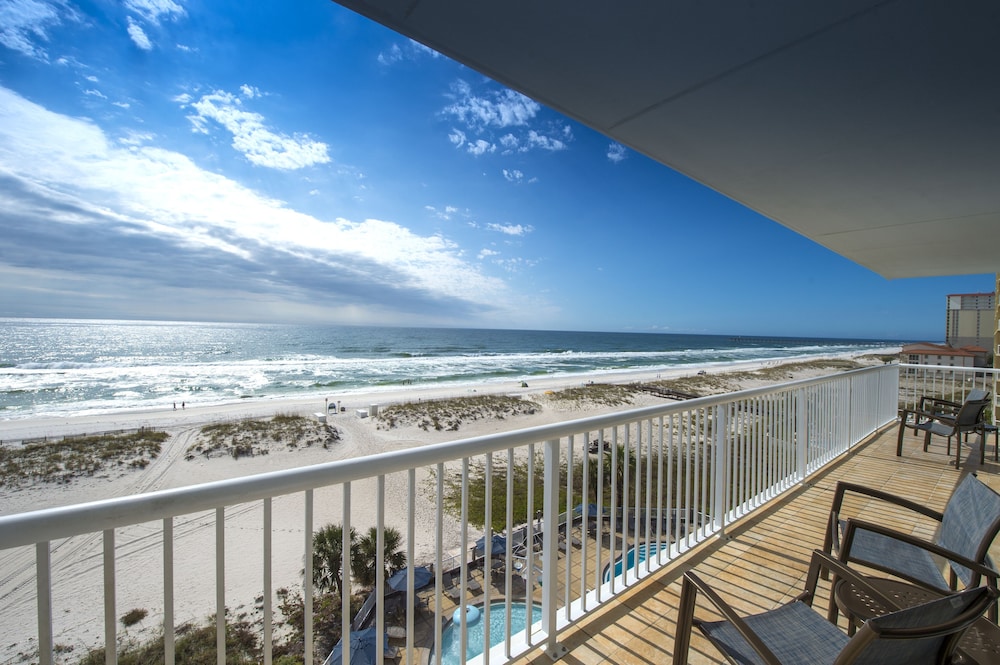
497 546
421 578
363 648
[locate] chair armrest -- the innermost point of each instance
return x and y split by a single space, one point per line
831 542
926 415
685 620
937 402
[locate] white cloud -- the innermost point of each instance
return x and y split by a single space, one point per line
392 56
510 144
133 138
544 142
25 23
249 91
412 51
511 229
515 264
446 213
95 93
65 173
499 108
152 10
123 105
513 175
481 114
616 152
480 147
486 253
138 35
251 137
457 138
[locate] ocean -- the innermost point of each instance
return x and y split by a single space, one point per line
70 367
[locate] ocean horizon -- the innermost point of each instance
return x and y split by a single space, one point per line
69 367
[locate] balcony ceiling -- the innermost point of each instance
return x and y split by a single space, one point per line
872 128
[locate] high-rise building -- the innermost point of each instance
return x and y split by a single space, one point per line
970 320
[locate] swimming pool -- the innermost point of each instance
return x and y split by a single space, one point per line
451 638
630 558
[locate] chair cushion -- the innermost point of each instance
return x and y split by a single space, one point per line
796 633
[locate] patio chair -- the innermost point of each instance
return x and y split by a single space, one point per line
795 633
980 644
965 529
940 417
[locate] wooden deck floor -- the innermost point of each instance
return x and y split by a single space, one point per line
762 562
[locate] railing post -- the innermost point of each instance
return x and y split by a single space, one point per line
43 568
550 554
801 433
110 632
719 466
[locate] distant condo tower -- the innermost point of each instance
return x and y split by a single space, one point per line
970 320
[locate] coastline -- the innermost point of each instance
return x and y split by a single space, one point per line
39 427
137 551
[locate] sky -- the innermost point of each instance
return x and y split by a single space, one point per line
224 161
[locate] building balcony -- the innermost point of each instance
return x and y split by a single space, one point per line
738 486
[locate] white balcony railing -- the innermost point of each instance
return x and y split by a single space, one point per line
672 476
952 383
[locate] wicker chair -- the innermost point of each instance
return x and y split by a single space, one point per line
934 416
795 633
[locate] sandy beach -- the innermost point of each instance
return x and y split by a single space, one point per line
77 562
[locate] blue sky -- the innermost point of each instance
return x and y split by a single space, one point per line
169 159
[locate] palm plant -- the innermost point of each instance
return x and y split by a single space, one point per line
363 566
327 555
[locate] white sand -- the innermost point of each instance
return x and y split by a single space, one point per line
77 563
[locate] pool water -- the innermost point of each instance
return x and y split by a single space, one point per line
630 559
451 638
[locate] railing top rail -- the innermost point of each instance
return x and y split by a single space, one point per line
943 368
53 523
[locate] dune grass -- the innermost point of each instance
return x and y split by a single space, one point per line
75 456
256 436
449 414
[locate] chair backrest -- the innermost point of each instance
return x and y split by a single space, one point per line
977 394
970 524
971 412
926 633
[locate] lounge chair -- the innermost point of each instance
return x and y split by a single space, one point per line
795 633
940 417
967 526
